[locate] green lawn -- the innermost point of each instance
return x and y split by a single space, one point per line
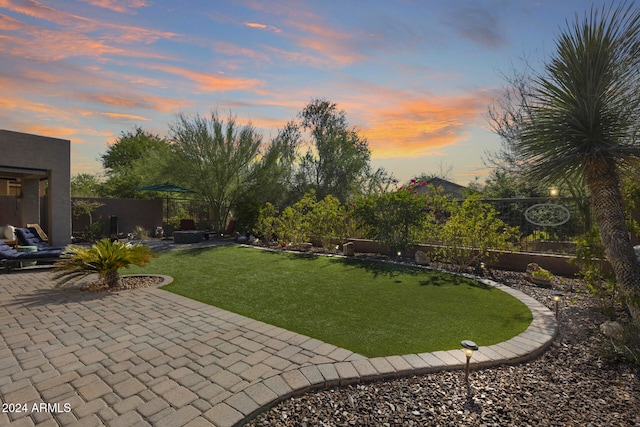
371 308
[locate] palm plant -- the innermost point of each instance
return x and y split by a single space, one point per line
578 121
105 258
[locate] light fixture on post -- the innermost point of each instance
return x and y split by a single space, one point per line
557 297
468 347
554 191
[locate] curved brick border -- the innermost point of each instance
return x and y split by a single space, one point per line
246 405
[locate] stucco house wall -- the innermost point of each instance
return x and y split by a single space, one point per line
32 159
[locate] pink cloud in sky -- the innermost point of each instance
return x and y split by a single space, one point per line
398 124
123 116
73 26
263 27
123 6
338 47
205 81
232 49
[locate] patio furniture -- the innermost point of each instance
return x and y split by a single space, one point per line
228 230
187 225
27 249
8 234
189 236
39 231
29 237
10 258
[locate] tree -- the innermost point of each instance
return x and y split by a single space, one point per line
214 158
503 183
578 120
85 185
338 158
270 181
123 159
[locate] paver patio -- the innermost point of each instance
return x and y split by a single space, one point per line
150 357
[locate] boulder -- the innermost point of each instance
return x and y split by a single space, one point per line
539 275
422 258
612 330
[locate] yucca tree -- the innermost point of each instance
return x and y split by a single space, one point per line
577 120
105 258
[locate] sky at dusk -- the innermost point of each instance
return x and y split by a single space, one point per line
415 77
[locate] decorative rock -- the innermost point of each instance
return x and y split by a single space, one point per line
538 275
422 258
305 247
569 384
613 330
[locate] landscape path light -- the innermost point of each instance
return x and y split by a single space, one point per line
557 297
468 347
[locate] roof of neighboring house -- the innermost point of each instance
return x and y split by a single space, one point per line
451 188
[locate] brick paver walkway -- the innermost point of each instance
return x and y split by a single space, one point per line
150 357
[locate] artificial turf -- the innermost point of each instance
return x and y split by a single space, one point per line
368 307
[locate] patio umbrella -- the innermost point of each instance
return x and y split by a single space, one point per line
167 188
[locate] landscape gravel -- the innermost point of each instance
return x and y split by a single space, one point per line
574 383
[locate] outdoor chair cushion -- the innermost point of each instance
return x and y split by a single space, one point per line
30 237
10 257
7 252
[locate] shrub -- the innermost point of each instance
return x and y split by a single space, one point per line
266 224
324 219
293 224
139 233
393 218
472 229
627 346
105 258
599 281
327 220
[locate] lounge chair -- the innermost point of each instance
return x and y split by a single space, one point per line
187 225
30 237
39 231
229 230
9 257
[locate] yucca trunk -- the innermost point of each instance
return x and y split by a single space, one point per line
112 278
606 198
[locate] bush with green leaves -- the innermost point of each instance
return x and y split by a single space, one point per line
140 233
626 347
327 221
600 281
293 223
393 218
472 229
308 217
106 258
266 225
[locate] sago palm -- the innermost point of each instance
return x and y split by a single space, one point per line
580 122
105 258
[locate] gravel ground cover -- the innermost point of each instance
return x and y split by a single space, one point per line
571 384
